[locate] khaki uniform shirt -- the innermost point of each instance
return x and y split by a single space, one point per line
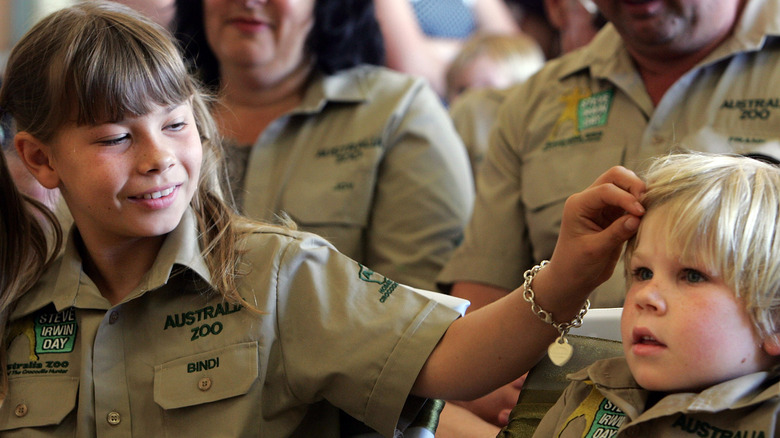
588 111
474 114
174 359
605 401
370 160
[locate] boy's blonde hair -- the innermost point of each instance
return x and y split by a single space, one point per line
519 56
98 61
722 213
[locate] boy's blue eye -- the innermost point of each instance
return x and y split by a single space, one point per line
643 274
694 276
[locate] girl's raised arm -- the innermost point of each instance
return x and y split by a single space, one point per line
498 343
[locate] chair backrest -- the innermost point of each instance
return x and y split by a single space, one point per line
546 381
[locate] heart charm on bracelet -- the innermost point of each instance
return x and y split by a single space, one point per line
560 351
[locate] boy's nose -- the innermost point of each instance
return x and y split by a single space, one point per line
650 298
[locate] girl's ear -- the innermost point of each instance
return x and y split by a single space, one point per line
771 344
37 157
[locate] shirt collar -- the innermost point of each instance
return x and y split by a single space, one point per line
65 285
606 56
612 376
347 86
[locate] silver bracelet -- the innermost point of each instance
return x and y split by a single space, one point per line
559 351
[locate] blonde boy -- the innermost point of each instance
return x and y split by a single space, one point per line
699 325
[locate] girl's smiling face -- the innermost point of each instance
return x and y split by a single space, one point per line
133 178
683 328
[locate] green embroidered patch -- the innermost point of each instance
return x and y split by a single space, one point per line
593 111
55 332
387 286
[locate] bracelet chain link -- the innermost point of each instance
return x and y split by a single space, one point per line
528 295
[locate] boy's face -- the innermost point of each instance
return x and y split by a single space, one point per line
683 329
132 178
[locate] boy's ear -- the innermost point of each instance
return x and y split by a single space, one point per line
771 344
37 157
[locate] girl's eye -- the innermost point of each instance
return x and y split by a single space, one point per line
178 126
642 274
694 276
115 141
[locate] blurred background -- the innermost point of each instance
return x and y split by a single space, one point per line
16 16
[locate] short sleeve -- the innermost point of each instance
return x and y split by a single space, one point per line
352 336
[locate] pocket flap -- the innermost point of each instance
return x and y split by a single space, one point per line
551 176
206 377
38 401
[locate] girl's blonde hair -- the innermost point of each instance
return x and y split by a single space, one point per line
721 212
98 61
25 251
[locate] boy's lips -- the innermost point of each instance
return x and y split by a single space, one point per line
644 342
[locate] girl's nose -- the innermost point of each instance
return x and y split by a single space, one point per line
155 157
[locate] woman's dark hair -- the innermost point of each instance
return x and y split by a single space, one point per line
345 34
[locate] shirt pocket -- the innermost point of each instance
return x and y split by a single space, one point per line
333 192
30 408
206 377
550 176
191 389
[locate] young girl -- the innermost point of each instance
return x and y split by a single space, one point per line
169 315
700 322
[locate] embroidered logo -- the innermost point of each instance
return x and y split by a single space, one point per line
592 111
23 327
55 332
602 417
46 332
386 286
700 428
582 110
752 109
570 112
350 151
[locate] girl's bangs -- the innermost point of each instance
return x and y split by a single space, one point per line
125 75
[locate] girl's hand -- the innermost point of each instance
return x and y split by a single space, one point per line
596 222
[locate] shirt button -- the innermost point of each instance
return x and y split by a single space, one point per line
21 410
113 418
114 316
204 384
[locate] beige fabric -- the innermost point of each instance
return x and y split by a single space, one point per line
588 111
604 400
173 359
474 114
371 161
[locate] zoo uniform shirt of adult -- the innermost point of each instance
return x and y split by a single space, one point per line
605 401
175 360
370 161
588 111
474 113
